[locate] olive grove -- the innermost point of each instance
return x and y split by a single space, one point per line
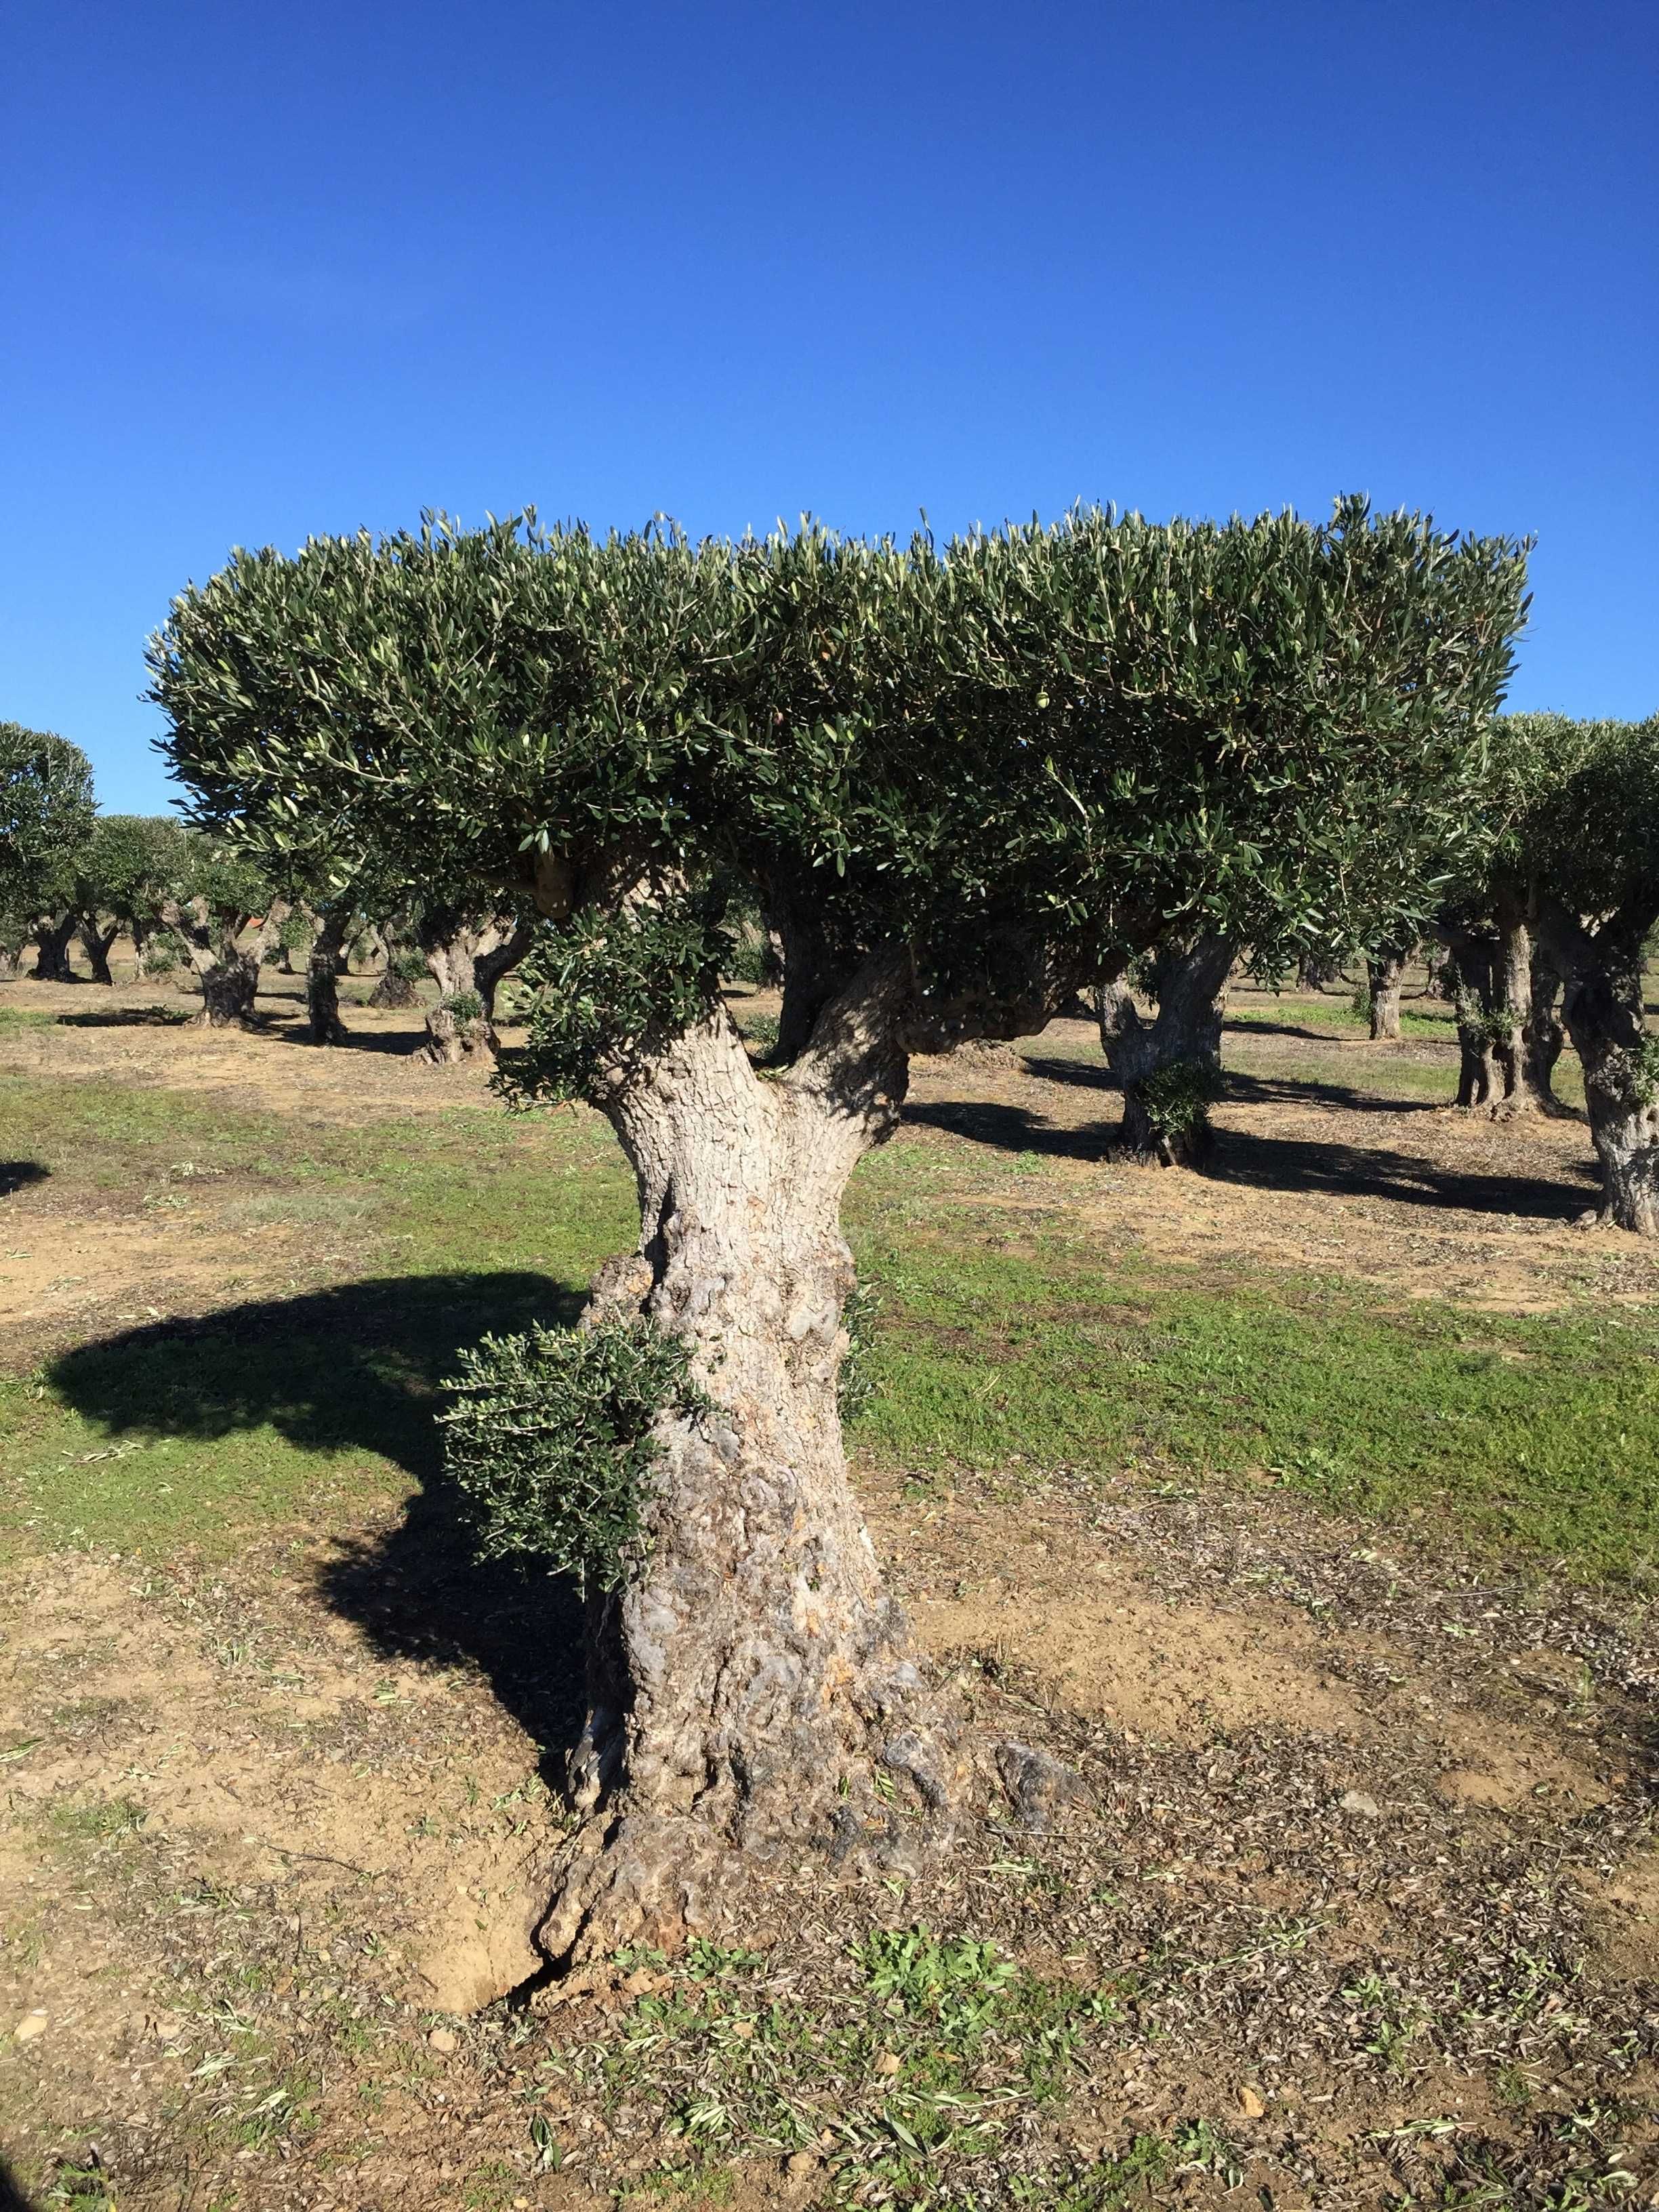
960 785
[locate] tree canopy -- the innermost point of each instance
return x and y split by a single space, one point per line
1064 738
47 812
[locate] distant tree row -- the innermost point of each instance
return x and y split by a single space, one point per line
1537 926
70 876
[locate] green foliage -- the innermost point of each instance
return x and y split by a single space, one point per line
1579 802
1642 1071
465 1005
163 951
46 813
231 884
550 1438
407 967
1005 754
131 863
1177 1097
601 982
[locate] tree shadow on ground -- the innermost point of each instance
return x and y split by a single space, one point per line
1014 1128
1271 1163
1250 1089
400 1044
1409 1178
12 2198
358 1367
129 1017
18 1174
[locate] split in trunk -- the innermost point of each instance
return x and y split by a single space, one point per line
1527 989
1544 1037
227 970
1384 971
1170 1067
1504 988
1603 1006
323 980
753 1696
95 942
467 954
1484 1027
52 936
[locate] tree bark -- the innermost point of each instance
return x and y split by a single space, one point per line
143 932
1543 1038
95 942
1471 966
1603 1008
227 971
323 980
394 990
1384 970
467 954
752 1696
51 939
1185 1032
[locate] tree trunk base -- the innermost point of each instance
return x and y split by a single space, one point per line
452 1039
640 1872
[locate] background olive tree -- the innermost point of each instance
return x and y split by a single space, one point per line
1576 875
46 811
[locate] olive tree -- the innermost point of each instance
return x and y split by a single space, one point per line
129 864
1576 872
961 784
1170 1067
468 950
46 811
219 895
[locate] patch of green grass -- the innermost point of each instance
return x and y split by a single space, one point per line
119 1816
195 1430
905 2085
1536 1436
1009 1346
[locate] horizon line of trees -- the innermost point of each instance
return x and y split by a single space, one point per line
70 876
1551 910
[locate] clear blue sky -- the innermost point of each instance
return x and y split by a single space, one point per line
268 271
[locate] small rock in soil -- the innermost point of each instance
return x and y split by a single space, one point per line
1037 1782
1251 2102
1357 1801
31 2025
444 2039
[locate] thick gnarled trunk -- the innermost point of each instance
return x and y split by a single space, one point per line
227 970
53 938
95 942
467 956
323 980
753 1697
1385 969
1603 1007
1170 1067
